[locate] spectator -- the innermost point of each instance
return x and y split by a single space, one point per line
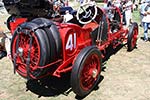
142 7
135 4
122 3
146 20
128 12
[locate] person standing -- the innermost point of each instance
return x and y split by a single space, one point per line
128 12
142 10
146 20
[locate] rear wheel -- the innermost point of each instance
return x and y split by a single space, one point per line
132 36
21 46
86 71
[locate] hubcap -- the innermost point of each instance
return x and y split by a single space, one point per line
20 51
94 73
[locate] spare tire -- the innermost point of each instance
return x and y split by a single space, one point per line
30 42
53 34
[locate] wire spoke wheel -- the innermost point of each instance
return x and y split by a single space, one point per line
29 50
23 50
132 36
86 71
90 71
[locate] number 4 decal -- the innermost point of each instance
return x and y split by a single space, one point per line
71 42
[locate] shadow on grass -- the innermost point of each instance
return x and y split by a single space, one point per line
53 86
110 51
50 86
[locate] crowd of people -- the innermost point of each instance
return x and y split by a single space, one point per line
127 7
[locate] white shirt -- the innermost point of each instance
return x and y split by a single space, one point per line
142 8
147 17
129 5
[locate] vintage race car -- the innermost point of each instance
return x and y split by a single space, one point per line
42 46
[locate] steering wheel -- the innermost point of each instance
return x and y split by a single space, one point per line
86 13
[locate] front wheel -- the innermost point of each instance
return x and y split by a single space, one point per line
86 71
132 36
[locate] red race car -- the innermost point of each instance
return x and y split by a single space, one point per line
43 46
